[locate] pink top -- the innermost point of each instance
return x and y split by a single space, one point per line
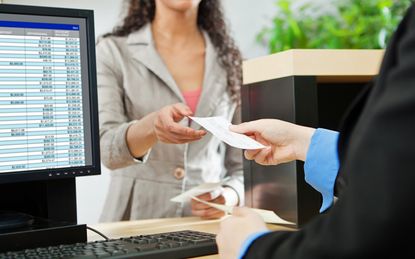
192 98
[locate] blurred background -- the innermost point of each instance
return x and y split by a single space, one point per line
331 24
259 28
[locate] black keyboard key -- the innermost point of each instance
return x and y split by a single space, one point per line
146 247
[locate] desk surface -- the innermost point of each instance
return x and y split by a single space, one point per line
152 226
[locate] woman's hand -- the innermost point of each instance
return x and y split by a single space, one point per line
224 195
168 130
161 126
205 211
285 141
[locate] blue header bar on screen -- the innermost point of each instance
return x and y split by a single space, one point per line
39 25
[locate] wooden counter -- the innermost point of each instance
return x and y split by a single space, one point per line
326 65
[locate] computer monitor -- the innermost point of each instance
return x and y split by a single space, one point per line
48 122
48 95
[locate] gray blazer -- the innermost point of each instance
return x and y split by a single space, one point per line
133 82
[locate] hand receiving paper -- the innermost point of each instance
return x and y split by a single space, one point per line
223 196
205 211
166 125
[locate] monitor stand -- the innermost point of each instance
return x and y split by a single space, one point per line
39 214
15 220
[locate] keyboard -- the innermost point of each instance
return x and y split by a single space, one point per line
171 245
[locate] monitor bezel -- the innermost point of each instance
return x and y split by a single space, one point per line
58 173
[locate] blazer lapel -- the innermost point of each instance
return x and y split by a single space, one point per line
142 48
212 89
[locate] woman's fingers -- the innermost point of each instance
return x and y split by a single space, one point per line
201 206
204 210
171 137
174 140
169 131
210 213
178 129
179 111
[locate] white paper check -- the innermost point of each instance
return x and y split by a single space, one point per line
196 191
219 127
267 215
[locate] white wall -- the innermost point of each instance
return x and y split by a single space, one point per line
106 11
246 18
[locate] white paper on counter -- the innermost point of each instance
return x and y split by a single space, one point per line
219 127
267 215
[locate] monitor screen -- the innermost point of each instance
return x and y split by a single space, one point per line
48 94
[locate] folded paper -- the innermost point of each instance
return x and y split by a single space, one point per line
267 215
198 190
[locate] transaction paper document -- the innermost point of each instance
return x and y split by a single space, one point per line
267 215
198 190
219 127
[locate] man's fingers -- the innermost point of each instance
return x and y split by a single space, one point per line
257 154
262 156
260 139
250 154
244 128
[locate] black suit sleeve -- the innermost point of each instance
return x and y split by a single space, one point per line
375 209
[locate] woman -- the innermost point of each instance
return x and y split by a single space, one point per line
168 60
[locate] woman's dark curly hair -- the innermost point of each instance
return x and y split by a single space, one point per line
210 19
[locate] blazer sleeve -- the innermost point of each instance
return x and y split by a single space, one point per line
234 164
376 206
112 116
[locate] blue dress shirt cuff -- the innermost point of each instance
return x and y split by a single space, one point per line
322 164
248 242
